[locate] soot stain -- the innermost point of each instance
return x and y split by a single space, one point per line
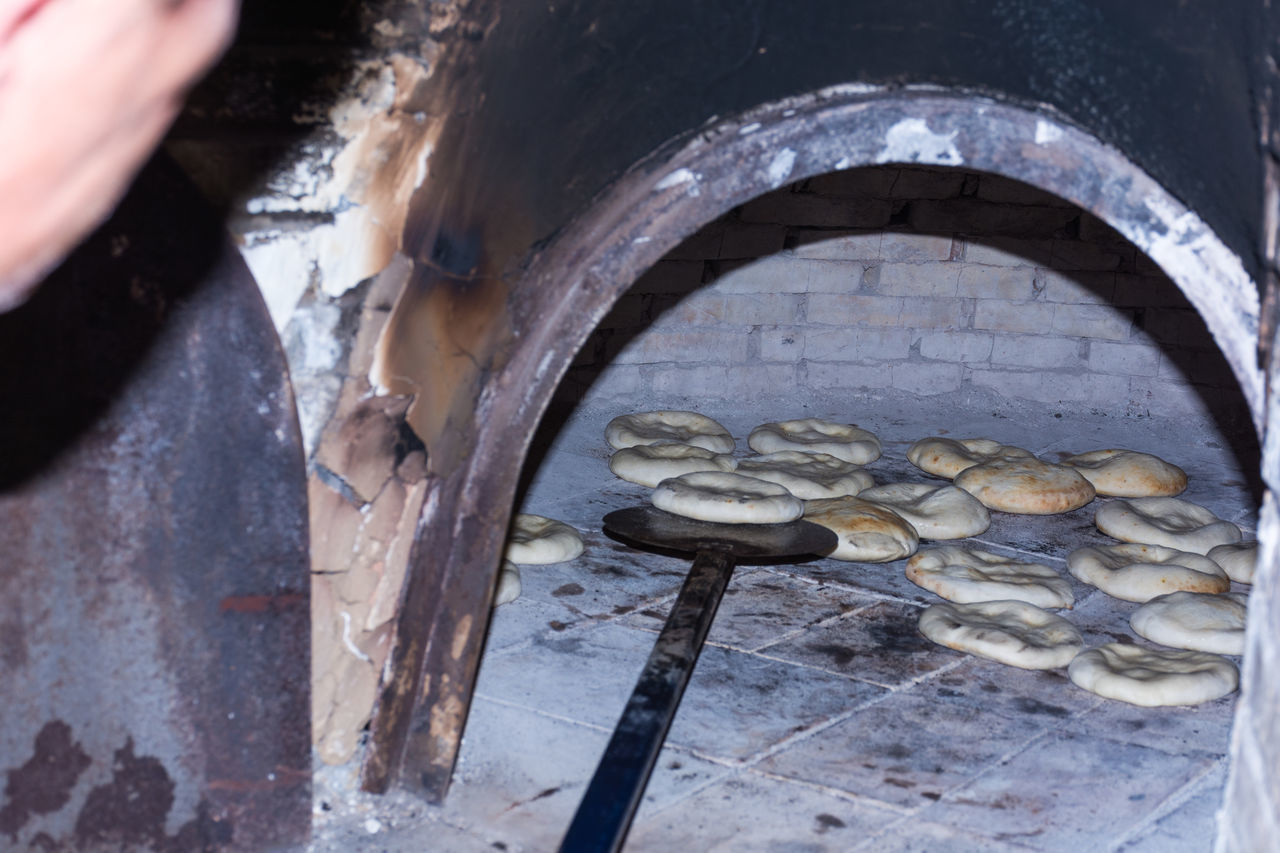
568 589
828 821
840 655
897 750
43 785
1035 706
622 609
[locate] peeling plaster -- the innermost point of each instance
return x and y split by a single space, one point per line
911 141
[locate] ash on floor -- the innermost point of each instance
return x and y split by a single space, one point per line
818 718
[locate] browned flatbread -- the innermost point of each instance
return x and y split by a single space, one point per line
1028 486
1129 474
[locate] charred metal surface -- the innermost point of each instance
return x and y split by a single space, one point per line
647 525
153 526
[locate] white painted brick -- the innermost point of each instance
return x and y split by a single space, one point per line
992 282
1038 385
832 276
835 376
774 274
857 344
1198 368
667 276
908 246
854 308
709 308
1123 359
1092 321
1077 288
751 240
1149 395
963 347
680 345
1036 351
936 313
998 315
1181 326
1007 251
926 378
759 379
1080 255
702 381
782 343
617 381
632 311
927 279
848 247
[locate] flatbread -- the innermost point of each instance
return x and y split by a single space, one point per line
1026 485
1171 522
727 498
1153 677
1011 632
668 425
808 476
1142 572
536 540
814 435
650 464
867 533
1193 620
1129 473
935 511
947 457
968 575
508 584
1237 559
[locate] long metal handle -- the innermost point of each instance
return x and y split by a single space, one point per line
610 802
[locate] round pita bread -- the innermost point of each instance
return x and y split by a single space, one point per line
1193 620
727 498
1153 677
1142 572
1128 473
867 533
668 425
650 464
1011 632
1026 486
808 476
508 584
947 457
814 435
536 540
969 575
936 512
1171 522
1237 559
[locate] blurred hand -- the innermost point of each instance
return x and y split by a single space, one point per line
87 89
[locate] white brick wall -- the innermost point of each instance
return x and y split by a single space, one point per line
823 287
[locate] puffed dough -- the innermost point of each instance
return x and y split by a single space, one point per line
867 533
1129 473
508 584
814 435
1011 632
1193 620
808 476
936 512
1142 572
947 457
650 464
1237 559
668 425
1153 677
727 498
1171 522
968 575
536 540
1026 485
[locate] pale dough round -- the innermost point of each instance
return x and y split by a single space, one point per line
1129 473
508 584
867 533
1026 485
668 425
536 540
727 498
1011 632
808 476
936 512
1171 522
1193 620
1237 559
814 435
1152 677
947 457
650 464
1142 572
968 575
